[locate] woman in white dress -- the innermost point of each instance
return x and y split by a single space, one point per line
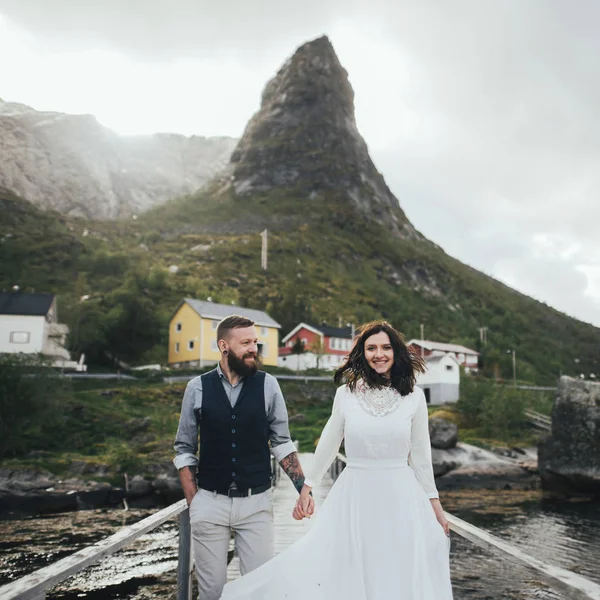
381 533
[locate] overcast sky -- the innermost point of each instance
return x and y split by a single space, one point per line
482 115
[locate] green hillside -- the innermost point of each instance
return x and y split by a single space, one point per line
326 263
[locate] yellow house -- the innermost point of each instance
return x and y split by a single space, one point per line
193 333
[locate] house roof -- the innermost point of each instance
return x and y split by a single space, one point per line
324 330
436 358
428 345
18 303
335 332
212 310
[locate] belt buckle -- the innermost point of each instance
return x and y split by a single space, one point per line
230 489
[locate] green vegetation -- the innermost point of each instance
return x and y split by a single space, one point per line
130 427
326 263
489 414
31 399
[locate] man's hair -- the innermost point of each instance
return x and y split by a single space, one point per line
232 322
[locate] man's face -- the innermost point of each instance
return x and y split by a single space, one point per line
242 346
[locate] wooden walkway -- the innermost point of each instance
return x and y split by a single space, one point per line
287 531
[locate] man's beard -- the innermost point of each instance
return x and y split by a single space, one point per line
240 366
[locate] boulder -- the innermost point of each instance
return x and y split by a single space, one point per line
442 462
569 459
139 487
443 433
167 489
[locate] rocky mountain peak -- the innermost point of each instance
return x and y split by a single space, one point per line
305 138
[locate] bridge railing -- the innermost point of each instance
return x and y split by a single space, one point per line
570 584
35 585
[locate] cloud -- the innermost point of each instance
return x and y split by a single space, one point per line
481 115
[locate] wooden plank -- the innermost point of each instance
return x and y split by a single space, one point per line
570 584
184 561
34 585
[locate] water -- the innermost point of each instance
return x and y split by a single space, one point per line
566 534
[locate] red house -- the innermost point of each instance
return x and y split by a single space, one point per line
325 347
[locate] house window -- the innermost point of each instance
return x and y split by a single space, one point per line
304 341
214 346
19 337
291 343
263 331
191 345
177 347
215 325
178 327
449 368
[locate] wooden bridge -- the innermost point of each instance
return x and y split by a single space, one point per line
287 531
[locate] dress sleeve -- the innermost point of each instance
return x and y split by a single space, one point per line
420 448
329 443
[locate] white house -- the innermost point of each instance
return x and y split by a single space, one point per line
29 325
465 357
441 380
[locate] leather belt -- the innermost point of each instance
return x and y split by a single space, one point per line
235 493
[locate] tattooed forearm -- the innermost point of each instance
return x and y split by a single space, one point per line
291 465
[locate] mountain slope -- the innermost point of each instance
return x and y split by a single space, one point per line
74 165
340 246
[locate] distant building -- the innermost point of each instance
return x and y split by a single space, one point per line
465 357
29 325
325 347
441 381
193 333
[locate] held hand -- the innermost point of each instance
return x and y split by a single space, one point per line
305 506
439 514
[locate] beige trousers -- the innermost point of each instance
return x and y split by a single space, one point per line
213 517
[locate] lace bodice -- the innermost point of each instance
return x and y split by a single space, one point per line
377 424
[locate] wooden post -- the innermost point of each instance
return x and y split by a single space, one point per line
184 563
265 249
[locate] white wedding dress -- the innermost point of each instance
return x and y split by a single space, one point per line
376 536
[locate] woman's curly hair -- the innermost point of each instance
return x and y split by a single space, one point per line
405 368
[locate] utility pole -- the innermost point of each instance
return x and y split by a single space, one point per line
514 366
483 335
263 258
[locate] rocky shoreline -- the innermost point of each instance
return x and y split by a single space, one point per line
456 466
27 492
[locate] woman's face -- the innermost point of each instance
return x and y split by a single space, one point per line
379 353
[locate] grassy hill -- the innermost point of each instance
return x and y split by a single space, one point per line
326 263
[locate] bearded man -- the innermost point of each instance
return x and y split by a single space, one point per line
240 415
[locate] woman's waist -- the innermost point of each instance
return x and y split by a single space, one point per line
376 463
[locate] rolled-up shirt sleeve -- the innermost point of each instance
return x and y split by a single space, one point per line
277 415
186 440
420 448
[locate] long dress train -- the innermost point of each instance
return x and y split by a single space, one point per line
376 536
